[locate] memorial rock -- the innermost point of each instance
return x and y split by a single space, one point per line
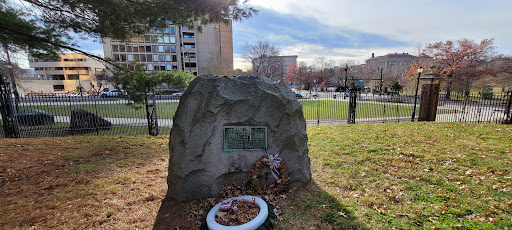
83 121
35 117
224 125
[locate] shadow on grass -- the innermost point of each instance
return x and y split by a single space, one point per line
306 208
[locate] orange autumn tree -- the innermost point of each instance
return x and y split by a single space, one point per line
291 75
461 62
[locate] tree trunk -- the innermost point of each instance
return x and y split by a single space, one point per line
449 87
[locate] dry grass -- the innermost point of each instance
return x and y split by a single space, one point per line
371 176
407 176
82 182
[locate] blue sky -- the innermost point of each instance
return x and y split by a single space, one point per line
351 30
342 30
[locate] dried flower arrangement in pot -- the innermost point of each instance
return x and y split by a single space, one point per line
243 212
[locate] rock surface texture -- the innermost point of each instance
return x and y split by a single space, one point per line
198 164
35 117
83 122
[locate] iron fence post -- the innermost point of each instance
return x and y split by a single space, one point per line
151 115
508 114
8 109
352 105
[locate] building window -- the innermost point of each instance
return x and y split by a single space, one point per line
147 38
167 57
129 57
56 77
154 48
143 58
60 68
190 55
160 49
171 30
160 39
190 46
167 49
121 48
161 58
188 35
58 87
148 49
172 39
141 49
155 57
128 48
149 57
168 67
73 77
135 48
73 59
173 49
166 39
123 57
150 67
174 66
115 48
174 59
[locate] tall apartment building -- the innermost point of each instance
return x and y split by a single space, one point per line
69 71
177 48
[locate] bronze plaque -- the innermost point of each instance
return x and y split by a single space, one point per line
238 138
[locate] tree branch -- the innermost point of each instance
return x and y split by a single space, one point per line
48 41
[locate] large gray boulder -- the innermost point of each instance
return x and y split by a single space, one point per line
83 121
198 164
35 117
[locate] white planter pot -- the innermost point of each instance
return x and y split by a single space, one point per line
251 225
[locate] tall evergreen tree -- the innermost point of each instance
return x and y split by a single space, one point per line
43 27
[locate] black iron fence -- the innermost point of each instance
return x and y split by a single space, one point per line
61 115
64 115
475 107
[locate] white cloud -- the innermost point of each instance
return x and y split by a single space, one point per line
408 21
308 52
240 63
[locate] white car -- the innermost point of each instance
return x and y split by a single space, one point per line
177 95
111 93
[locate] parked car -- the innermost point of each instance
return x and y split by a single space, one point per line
298 96
111 93
177 95
315 95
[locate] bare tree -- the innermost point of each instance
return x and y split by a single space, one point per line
264 58
418 49
322 73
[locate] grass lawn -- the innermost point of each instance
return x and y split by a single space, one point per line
365 176
312 109
165 110
61 129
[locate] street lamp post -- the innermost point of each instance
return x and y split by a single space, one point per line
346 78
416 94
380 85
